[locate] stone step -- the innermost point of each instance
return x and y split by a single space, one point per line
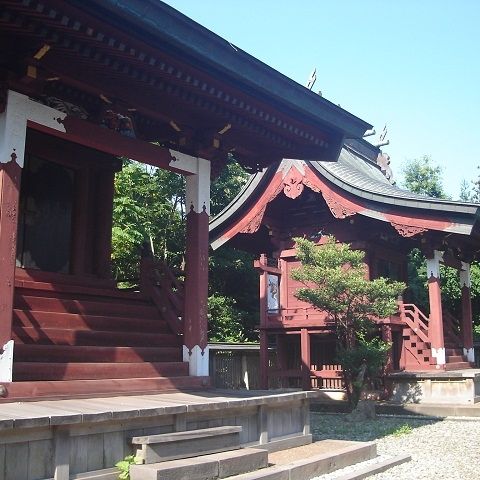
218 465
190 443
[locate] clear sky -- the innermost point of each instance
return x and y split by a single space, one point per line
413 64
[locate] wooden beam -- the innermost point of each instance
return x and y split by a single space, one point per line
108 141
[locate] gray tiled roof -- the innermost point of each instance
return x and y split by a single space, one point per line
364 178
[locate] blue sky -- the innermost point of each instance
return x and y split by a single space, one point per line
414 65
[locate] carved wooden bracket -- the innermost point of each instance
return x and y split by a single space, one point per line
254 224
337 208
407 230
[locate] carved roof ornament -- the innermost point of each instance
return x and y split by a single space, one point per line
293 183
407 230
337 208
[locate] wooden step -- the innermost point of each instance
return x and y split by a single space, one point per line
190 443
27 287
37 319
55 336
27 371
52 390
72 353
86 307
215 466
454 351
458 366
455 358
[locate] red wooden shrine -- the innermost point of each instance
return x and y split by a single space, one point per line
353 200
82 84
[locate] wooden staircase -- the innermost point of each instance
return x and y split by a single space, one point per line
86 341
417 350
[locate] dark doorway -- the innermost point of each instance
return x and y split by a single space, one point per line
45 220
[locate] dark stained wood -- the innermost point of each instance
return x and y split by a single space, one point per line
196 280
10 174
30 391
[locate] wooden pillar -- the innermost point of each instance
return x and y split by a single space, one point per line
435 327
103 242
466 323
10 174
81 215
263 360
306 361
263 323
195 348
387 337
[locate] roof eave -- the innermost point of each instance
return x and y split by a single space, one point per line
156 22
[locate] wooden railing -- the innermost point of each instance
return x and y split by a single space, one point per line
158 282
415 319
299 317
451 327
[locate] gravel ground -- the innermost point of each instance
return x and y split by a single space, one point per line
440 449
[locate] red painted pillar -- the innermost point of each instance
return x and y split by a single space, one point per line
306 361
466 323
263 324
435 328
10 174
195 341
387 337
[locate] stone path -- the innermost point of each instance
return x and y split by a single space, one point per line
440 449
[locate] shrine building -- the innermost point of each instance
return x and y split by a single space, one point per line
354 200
83 83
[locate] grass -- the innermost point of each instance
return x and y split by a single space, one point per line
334 426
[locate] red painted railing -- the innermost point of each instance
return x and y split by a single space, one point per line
451 326
415 319
291 317
158 282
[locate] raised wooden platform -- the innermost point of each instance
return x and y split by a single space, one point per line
62 438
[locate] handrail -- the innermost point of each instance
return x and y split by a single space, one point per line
158 282
415 319
452 327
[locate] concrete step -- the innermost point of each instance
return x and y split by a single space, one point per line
315 465
190 443
218 465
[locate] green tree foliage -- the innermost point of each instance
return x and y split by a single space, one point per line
149 205
424 177
421 175
225 321
334 279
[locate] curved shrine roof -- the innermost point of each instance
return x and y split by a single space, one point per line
358 183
